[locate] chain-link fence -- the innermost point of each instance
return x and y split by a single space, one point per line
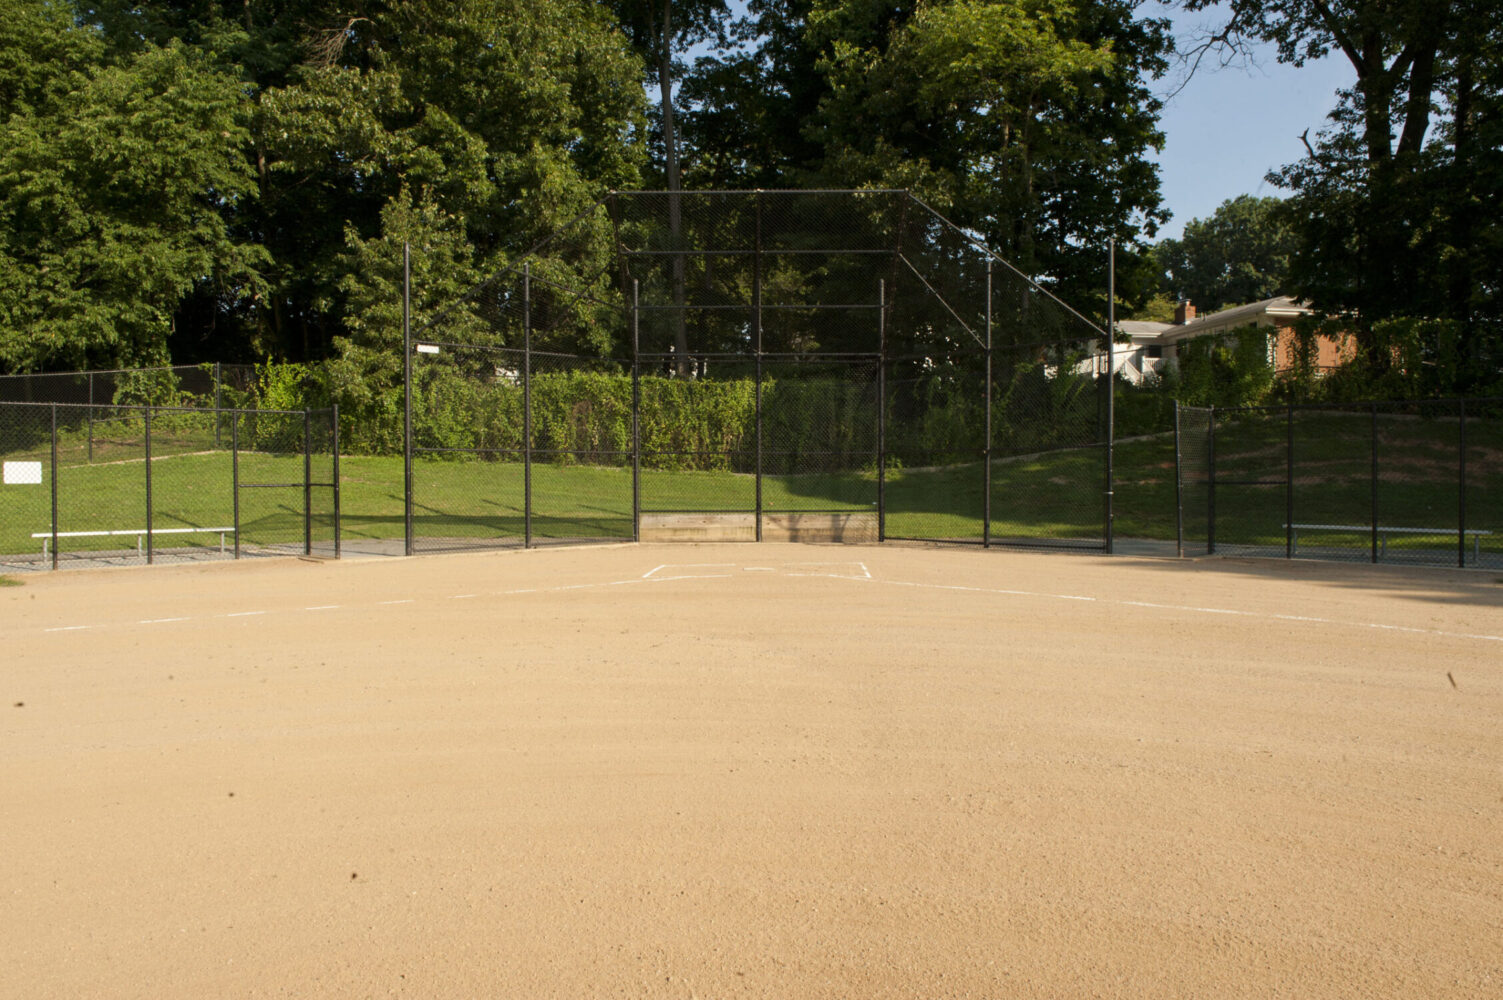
206 386
118 485
1417 482
788 364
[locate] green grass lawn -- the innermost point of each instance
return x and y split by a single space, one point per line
1055 495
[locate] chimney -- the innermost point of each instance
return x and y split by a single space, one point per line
1184 312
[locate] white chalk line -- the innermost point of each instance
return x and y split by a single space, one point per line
1195 609
650 577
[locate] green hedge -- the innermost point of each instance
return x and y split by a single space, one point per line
581 415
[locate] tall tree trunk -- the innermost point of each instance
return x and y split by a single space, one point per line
1461 279
675 211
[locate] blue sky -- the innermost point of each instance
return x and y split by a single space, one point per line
1229 126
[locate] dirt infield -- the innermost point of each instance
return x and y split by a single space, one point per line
752 771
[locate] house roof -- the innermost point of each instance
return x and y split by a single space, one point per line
1143 327
1275 311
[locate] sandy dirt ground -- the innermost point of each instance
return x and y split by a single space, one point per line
752 771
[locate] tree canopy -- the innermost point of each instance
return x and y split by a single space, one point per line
1387 205
1240 254
218 180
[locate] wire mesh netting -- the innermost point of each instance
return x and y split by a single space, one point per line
792 353
1192 465
1414 482
195 386
102 485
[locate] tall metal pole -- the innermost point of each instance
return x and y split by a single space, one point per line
881 410
757 343
307 482
149 543
636 411
1179 488
54 486
1211 483
1289 486
1461 491
1111 383
218 402
986 451
337 486
235 474
1374 490
407 399
527 405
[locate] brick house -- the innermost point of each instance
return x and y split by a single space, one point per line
1154 346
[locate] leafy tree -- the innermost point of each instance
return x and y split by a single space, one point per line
116 182
509 116
658 29
747 108
42 53
1386 201
1240 254
1028 122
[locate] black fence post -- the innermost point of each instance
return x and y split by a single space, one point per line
91 417
1211 483
235 474
881 410
218 403
636 412
1461 492
150 548
527 405
986 451
307 482
1289 486
337 486
1179 489
757 343
1374 483
1111 385
54 486
406 399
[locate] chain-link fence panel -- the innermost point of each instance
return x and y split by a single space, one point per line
749 316
1249 486
103 484
286 482
698 437
469 466
1049 447
581 480
1381 482
119 485
1480 424
206 386
820 434
935 436
1193 468
27 480
1417 483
